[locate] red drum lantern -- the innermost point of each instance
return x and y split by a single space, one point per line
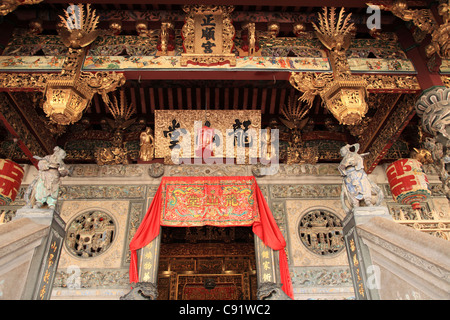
11 175
408 182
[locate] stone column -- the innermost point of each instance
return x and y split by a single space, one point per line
268 273
266 263
40 276
149 261
148 264
364 276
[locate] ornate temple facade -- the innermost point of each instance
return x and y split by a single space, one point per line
211 126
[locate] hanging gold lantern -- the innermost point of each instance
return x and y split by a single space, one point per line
69 93
344 93
11 175
346 100
66 99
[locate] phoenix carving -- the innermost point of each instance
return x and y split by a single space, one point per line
79 26
335 35
121 111
295 115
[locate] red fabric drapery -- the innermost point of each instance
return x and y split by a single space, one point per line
265 227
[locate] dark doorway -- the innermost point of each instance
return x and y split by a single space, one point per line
207 263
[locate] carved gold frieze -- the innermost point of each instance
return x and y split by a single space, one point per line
426 23
30 144
446 80
19 81
391 83
208 35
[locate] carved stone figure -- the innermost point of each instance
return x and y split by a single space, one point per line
147 151
356 185
141 291
271 291
440 162
45 187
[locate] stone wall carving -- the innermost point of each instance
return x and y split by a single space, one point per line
93 279
321 232
305 191
322 276
93 170
291 193
90 234
103 192
299 254
137 211
111 258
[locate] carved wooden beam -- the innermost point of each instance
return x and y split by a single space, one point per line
23 81
38 126
18 129
398 120
384 103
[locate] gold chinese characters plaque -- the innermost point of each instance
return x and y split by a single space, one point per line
225 132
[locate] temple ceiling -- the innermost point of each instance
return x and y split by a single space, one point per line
157 81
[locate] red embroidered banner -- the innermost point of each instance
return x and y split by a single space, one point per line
217 201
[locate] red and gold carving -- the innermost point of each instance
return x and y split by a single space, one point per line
208 35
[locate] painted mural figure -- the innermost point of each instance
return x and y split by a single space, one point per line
45 187
357 185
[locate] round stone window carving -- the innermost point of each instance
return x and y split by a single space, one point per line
90 234
321 232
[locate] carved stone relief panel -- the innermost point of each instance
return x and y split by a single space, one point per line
90 234
305 191
321 232
110 258
207 170
300 254
442 208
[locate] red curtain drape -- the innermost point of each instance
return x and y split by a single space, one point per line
266 229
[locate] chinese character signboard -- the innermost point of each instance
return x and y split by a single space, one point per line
49 259
356 264
208 36
219 134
